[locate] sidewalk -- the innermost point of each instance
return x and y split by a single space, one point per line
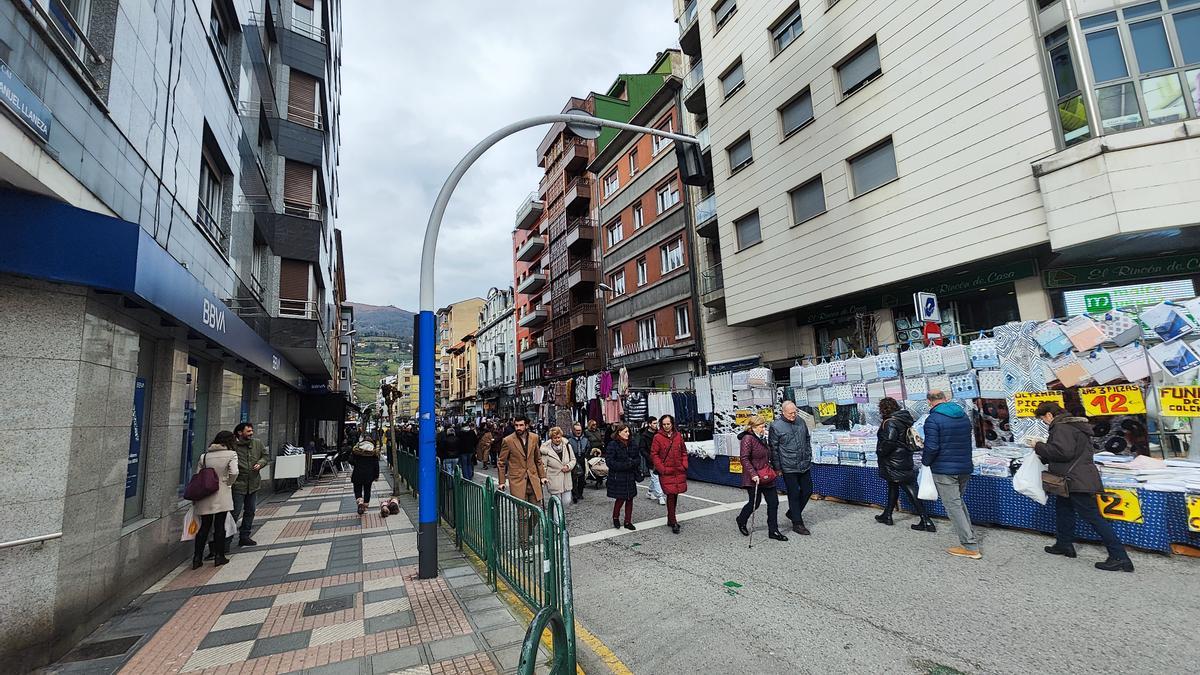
325 591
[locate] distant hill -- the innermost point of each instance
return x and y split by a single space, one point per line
388 321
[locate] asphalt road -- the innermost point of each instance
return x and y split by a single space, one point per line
857 596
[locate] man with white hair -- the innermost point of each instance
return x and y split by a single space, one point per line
791 451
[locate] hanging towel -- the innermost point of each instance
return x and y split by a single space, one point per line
704 404
539 395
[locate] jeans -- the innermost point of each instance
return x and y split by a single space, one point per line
655 486
799 491
578 482
243 507
1083 504
448 465
467 465
950 489
214 524
752 504
363 491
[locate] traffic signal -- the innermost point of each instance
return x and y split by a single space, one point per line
692 168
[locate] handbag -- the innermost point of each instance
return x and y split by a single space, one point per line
1054 484
204 483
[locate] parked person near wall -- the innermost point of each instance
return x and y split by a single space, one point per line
670 461
648 434
949 440
791 451
559 460
623 461
896 463
365 460
1068 454
579 445
758 479
213 509
252 458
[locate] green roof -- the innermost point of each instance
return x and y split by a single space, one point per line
638 88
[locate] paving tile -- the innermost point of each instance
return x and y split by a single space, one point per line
455 646
230 636
509 657
384 594
397 660
237 619
336 633
505 635
492 618
280 643
343 589
297 597
450 571
483 603
394 581
474 591
386 607
249 603
389 622
463 582
219 656
350 667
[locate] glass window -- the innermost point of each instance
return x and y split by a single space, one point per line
647 333
740 154
611 182
1144 9
657 143
862 67
1119 107
1064 70
796 113
748 232
672 256
1193 79
808 200
873 168
787 29
633 165
1164 99
1108 60
638 218
683 325
615 235
618 342
668 196
1105 19
617 281
641 272
1187 27
1150 45
723 11
733 79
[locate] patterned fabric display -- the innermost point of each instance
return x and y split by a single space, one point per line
1120 328
964 385
829 393
931 360
759 377
808 375
1100 366
1084 333
821 375
870 368
875 392
1051 338
741 379
887 365
837 372
991 384
859 392
984 353
814 396
1023 368
941 382
1069 370
916 386
910 362
843 394
894 389
954 359
796 376
1131 360
799 395
854 370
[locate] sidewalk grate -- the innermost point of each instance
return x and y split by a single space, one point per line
328 605
102 649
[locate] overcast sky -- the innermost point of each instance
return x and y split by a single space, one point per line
422 82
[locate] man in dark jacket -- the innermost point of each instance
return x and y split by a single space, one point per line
949 441
596 444
252 457
467 440
579 447
791 451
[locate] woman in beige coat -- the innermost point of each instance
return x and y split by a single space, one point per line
559 461
212 509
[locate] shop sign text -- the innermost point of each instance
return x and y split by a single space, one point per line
1179 401
1120 505
1115 399
1028 401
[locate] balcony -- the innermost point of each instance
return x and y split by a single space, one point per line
689 29
298 309
706 217
307 29
703 138
585 315
530 210
693 90
292 207
537 350
577 155
532 283
643 351
579 192
531 249
535 317
305 117
712 287
583 272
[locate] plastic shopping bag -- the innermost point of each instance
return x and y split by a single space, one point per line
926 490
1028 479
191 525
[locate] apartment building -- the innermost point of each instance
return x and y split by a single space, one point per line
646 244
464 383
497 347
454 322
1014 157
407 394
168 188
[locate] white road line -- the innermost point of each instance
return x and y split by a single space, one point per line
651 524
702 499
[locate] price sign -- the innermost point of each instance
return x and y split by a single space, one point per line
1120 505
767 414
1180 401
742 417
1193 512
1118 399
827 409
735 465
1028 401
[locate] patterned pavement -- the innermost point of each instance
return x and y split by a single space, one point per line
325 591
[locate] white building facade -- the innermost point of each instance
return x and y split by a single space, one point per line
1009 155
497 346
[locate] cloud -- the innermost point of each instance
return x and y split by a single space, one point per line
423 82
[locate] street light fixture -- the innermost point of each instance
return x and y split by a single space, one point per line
581 125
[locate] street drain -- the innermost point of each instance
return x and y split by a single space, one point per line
328 605
89 651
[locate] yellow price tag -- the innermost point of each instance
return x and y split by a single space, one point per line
742 417
1120 505
1028 401
827 409
735 465
1180 401
1116 399
1193 513
767 414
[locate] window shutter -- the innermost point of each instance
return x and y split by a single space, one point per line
302 97
298 183
293 279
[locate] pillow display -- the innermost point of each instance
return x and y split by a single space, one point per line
940 382
796 375
964 385
870 368
1120 328
1131 360
985 353
875 392
1069 370
808 375
854 369
1100 366
894 389
888 365
821 374
991 384
916 387
955 359
1167 321
843 394
1176 358
931 360
837 372
858 391
1083 332
1051 338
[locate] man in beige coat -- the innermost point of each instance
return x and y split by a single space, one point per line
520 470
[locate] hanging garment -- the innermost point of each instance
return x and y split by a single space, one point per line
704 403
605 384
594 410
612 410
635 407
581 389
623 381
539 395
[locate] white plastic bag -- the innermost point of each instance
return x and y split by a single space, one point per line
1028 479
926 490
191 525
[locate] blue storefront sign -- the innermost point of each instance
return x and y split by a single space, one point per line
21 101
134 466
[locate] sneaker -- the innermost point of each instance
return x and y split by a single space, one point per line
247 541
662 501
964 552
1068 551
1116 565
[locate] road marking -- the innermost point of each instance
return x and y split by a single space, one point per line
651 524
703 499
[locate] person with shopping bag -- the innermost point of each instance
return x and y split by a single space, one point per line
649 432
559 460
949 442
365 460
758 478
670 459
624 462
896 463
1074 481
212 509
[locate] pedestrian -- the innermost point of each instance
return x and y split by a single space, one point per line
670 461
596 446
758 478
623 462
365 460
791 449
896 463
521 471
484 446
579 446
648 434
252 457
1068 454
213 509
559 460
448 449
949 441
467 440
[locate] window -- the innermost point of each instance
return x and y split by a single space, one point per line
258 272
209 211
611 182
614 231
796 113
808 200
618 341
873 167
787 28
638 218
683 326
300 190
748 233
657 143
219 29
647 333
733 79
617 283
303 94
723 11
672 256
345 349
668 196
641 272
856 71
1072 115
633 164
740 154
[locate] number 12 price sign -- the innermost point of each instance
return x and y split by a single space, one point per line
1116 399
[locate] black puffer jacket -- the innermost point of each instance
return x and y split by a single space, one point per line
1071 440
894 452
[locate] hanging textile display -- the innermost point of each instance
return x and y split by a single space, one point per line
910 362
955 359
837 372
1100 366
894 389
888 365
984 353
1131 361
636 407
704 398
875 392
1083 332
964 385
870 368
1069 370
1051 338
821 374
1023 367
1120 328
916 387
796 375
623 381
858 391
722 391
931 360
1167 321
854 369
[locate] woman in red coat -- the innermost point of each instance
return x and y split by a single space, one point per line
670 461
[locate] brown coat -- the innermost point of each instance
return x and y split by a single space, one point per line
522 467
1070 443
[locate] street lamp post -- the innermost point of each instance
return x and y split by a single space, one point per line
582 124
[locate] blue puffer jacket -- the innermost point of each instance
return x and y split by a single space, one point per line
948 440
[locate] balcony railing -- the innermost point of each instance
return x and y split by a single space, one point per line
527 213
208 221
711 280
299 309
694 79
292 207
688 17
706 209
640 346
703 139
307 29
304 117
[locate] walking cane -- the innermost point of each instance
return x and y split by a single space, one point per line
752 514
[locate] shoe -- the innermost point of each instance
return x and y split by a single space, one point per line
777 536
247 541
617 523
964 552
393 508
884 519
799 528
629 526
220 561
675 528
926 525
743 529
384 512
197 563
1116 565
662 501
1068 551
362 508
788 515
209 556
